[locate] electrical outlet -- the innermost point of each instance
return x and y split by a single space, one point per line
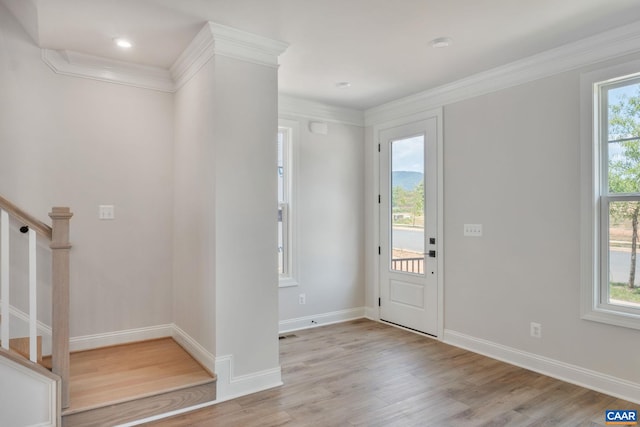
536 330
473 230
302 299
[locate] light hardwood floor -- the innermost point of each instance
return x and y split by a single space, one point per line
365 373
110 375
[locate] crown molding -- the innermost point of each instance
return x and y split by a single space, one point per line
195 56
213 39
246 46
77 64
611 44
296 107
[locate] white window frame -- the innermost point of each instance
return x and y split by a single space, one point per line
595 199
291 142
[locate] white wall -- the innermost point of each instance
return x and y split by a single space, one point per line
245 115
512 164
330 212
225 277
81 143
194 210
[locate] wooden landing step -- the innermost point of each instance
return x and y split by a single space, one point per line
114 385
22 345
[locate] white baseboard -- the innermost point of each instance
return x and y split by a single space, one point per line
372 313
593 380
231 386
228 386
19 327
88 342
322 319
202 355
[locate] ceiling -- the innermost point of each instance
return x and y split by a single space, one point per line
380 46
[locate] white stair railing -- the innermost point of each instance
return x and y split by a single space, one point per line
4 277
33 299
58 236
5 286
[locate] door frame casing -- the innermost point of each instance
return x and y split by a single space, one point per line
377 129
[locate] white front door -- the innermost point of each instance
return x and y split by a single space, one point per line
409 226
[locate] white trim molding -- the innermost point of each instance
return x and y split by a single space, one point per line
298 107
31 398
213 39
322 319
198 352
88 342
618 42
231 386
43 329
372 313
438 114
593 380
594 200
77 64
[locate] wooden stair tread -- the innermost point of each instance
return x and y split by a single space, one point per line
21 346
119 374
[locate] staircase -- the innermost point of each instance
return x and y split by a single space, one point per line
21 347
100 387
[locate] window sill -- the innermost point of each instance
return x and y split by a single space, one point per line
287 282
613 317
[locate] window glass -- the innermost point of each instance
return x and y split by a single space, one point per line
621 198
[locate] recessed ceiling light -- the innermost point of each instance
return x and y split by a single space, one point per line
441 42
123 43
343 85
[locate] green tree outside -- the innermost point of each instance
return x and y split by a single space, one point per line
624 170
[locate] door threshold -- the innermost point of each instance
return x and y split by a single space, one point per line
416 331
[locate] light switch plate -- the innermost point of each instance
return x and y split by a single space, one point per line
473 230
106 212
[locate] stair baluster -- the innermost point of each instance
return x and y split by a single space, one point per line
58 235
4 277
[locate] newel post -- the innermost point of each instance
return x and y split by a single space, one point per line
60 248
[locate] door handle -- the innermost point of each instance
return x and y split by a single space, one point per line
432 254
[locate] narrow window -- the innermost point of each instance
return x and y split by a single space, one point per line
286 204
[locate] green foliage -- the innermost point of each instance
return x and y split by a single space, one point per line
624 169
417 202
408 201
621 292
624 123
624 165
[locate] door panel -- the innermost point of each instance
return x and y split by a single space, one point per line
406 293
408 226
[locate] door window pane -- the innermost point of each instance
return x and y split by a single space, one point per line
407 205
